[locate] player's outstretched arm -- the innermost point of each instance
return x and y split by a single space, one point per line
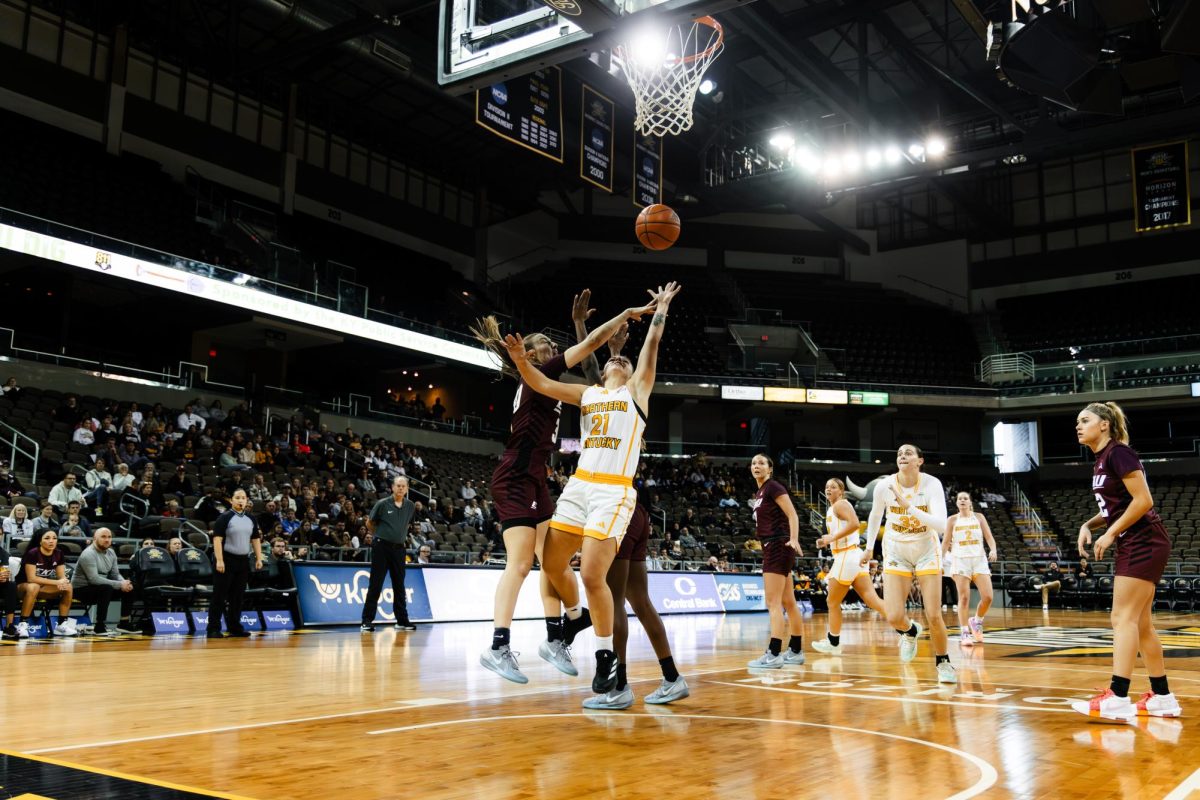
642 382
535 378
576 353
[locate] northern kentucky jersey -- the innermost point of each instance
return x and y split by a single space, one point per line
534 426
611 427
1113 463
968 537
833 524
908 527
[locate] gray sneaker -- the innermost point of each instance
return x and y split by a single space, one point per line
558 653
668 691
791 659
908 645
503 662
945 673
767 661
614 700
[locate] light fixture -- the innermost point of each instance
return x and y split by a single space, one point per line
915 150
935 146
832 166
851 162
805 159
649 46
707 85
873 158
892 154
782 141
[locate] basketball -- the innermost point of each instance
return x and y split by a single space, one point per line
657 227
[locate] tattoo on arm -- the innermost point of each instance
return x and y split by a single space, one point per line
659 320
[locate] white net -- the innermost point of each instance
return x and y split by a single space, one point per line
665 68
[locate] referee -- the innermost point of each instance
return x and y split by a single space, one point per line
388 521
233 533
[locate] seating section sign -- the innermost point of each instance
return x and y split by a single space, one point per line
526 111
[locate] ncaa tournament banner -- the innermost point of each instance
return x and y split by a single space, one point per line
684 592
647 170
334 594
1162 196
596 139
741 592
526 111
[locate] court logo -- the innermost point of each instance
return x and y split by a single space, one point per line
1047 640
568 7
499 94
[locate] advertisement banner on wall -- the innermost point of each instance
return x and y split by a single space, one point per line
741 592
684 593
457 595
334 594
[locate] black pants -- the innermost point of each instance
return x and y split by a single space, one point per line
8 596
386 558
229 587
101 595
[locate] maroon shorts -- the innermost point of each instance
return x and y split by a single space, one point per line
633 545
778 557
520 499
1143 553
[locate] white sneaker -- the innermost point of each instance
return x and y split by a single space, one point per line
668 691
558 654
1158 705
946 673
965 639
823 646
791 659
67 627
1045 607
767 661
1107 707
908 645
23 630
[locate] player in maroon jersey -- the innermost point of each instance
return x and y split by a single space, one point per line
1134 528
778 526
521 497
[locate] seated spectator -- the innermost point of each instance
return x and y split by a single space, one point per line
269 518
728 501
10 487
171 509
424 554
64 492
8 597
74 519
1050 579
10 389
1083 570
44 576
216 412
290 523
189 419
284 499
247 455
18 525
279 551
211 506
365 483
98 482
47 520
710 565
686 539
228 460
180 484
174 545
123 479
259 493
468 491
473 515
84 434
97 579
151 450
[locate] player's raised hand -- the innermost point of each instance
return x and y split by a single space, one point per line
515 345
617 342
640 311
665 294
579 307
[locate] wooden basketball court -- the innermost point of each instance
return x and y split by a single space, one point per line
393 715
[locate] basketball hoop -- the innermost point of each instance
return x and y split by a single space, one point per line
664 72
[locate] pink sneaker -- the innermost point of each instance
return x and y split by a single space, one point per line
1106 707
976 625
1158 705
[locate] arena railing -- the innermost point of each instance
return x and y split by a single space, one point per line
15 441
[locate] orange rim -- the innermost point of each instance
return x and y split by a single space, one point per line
716 26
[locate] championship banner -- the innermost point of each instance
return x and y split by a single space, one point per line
525 110
647 170
596 139
1162 196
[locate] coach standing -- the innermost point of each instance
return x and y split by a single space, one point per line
388 522
233 533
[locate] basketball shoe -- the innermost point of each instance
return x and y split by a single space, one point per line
668 691
908 644
606 672
965 639
767 661
824 646
791 659
976 625
615 700
558 653
1107 707
503 662
1158 705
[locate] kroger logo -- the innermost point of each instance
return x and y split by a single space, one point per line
172 621
280 618
500 94
355 592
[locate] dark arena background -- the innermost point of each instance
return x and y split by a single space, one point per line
243 246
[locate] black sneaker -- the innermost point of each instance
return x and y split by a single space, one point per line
572 627
606 672
10 632
405 626
215 635
367 627
239 634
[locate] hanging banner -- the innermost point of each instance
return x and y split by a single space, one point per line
1162 196
647 170
526 110
596 139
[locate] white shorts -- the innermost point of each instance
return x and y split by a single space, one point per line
599 510
847 566
908 557
970 566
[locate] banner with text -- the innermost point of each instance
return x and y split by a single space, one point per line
1162 196
684 593
741 592
596 139
647 170
525 110
334 594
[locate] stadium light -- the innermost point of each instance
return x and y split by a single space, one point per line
782 141
851 162
649 46
892 154
873 158
916 150
707 86
935 146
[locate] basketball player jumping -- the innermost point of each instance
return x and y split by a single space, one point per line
915 505
849 564
598 501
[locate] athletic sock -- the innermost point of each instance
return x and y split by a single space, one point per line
621 678
575 611
668 668
499 638
775 646
604 643
796 644
1159 685
1120 686
912 630
939 659
554 628
834 638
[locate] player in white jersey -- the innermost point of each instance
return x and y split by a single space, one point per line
596 504
966 532
915 507
849 565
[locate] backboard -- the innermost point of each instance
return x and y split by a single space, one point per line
481 42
